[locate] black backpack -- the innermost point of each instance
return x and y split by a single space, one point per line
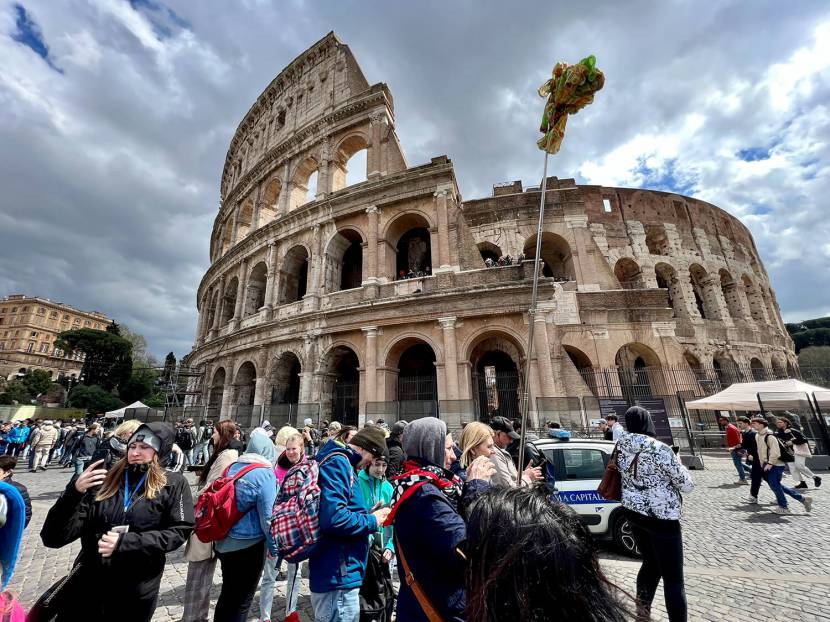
786 454
184 439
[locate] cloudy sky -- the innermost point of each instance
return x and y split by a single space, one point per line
116 117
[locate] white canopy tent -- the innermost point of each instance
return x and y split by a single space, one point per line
117 414
744 396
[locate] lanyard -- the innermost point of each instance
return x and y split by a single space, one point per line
128 497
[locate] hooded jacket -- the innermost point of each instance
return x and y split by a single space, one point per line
339 561
48 436
127 583
374 491
397 456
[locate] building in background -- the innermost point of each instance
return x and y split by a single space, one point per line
348 300
28 329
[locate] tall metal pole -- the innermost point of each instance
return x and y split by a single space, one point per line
532 321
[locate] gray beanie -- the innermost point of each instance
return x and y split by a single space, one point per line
425 438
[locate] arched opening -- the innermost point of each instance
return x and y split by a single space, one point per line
285 388
349 165
639 371
792 372
656 240
229 300
628 273
269 206
255 296
731 294
409 237
753 298
341 386
417 384
779 369
697 276
726 372
667 279
583 365
216 392
496 362
490 251
759 372
294 275
245 384
344 261
244 219
304 188
555 255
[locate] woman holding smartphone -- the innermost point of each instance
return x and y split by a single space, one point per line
128 519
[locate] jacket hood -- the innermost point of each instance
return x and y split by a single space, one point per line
261 444
166 435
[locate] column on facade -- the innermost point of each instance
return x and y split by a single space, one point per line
217 313
324 176
371 383
375 156
713 297
284 202
585 272
260 387
371 264
269 279
684 283
242 286
542 347
235 224
440 200
203 313
227 395
450 357
255 212
316 264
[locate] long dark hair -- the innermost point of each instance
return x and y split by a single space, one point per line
226 429
531 559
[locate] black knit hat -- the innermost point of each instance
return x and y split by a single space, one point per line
372 439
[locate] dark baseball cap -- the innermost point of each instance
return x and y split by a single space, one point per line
503 424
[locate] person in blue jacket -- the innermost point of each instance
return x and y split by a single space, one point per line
242 552
338 564
428 507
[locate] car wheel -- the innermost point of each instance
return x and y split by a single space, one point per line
624 538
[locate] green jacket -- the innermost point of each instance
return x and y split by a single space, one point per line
374 490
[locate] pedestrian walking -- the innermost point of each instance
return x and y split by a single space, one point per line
85 448
749 445
800 447
428 504
506 473
200 555
126 528
736 451
652 482
45 441
531 559
338 564
615 427
772 460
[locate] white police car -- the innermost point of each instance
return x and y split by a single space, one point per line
578 466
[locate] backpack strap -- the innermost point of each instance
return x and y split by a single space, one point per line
423 600
345 454
242 471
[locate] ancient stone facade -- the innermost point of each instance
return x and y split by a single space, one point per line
303 302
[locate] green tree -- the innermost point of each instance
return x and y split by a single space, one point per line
37 381
814 356
139 386
141 357
169 367
94 398
108 360
157 400
16 391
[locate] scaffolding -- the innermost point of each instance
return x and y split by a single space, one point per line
182 386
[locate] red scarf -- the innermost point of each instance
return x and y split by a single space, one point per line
416 475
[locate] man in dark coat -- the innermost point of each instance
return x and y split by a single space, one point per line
397 456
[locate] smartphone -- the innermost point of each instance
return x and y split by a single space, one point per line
120 528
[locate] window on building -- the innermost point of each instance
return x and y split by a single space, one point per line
34 334
2 319
41 311
14 309
3 310
76 321
606 205
25 309
53 315
44 348
97 326
87 323
65 318
31 347
2 345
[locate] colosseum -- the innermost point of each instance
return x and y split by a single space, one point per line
394 297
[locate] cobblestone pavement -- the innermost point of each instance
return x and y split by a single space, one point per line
742 562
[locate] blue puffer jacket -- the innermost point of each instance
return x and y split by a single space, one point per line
339 561
256 492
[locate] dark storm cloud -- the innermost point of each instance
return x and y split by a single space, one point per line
110 171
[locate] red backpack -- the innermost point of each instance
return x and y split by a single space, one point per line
216 510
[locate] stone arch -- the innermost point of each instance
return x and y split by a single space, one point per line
754 300
284 378
628 273
244 219
779 368
488 250
294 274
229 300
300 182
726 370
731 294
216 392
346 150
667 279
244 383
408 238
412 362
340 384
556 255
639 371
269 201
759 371
343 261
255 294
497 363
698 278
656 240
225 234
583 364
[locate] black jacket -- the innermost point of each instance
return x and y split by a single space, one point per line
396 458
126 584
749 443
86 446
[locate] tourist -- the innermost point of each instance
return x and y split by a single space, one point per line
291 454
311 436
652 482
377 492
204 433
338 564
29 447
7 466
476 440
282 436
800 447
736 451
139 514
749 445
16 437
186 440
394 443
615 427
605 430
85 448
506 473
49 435
345 435
428 505
242 553
114 447
769 456
200 555
515 445
530 558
